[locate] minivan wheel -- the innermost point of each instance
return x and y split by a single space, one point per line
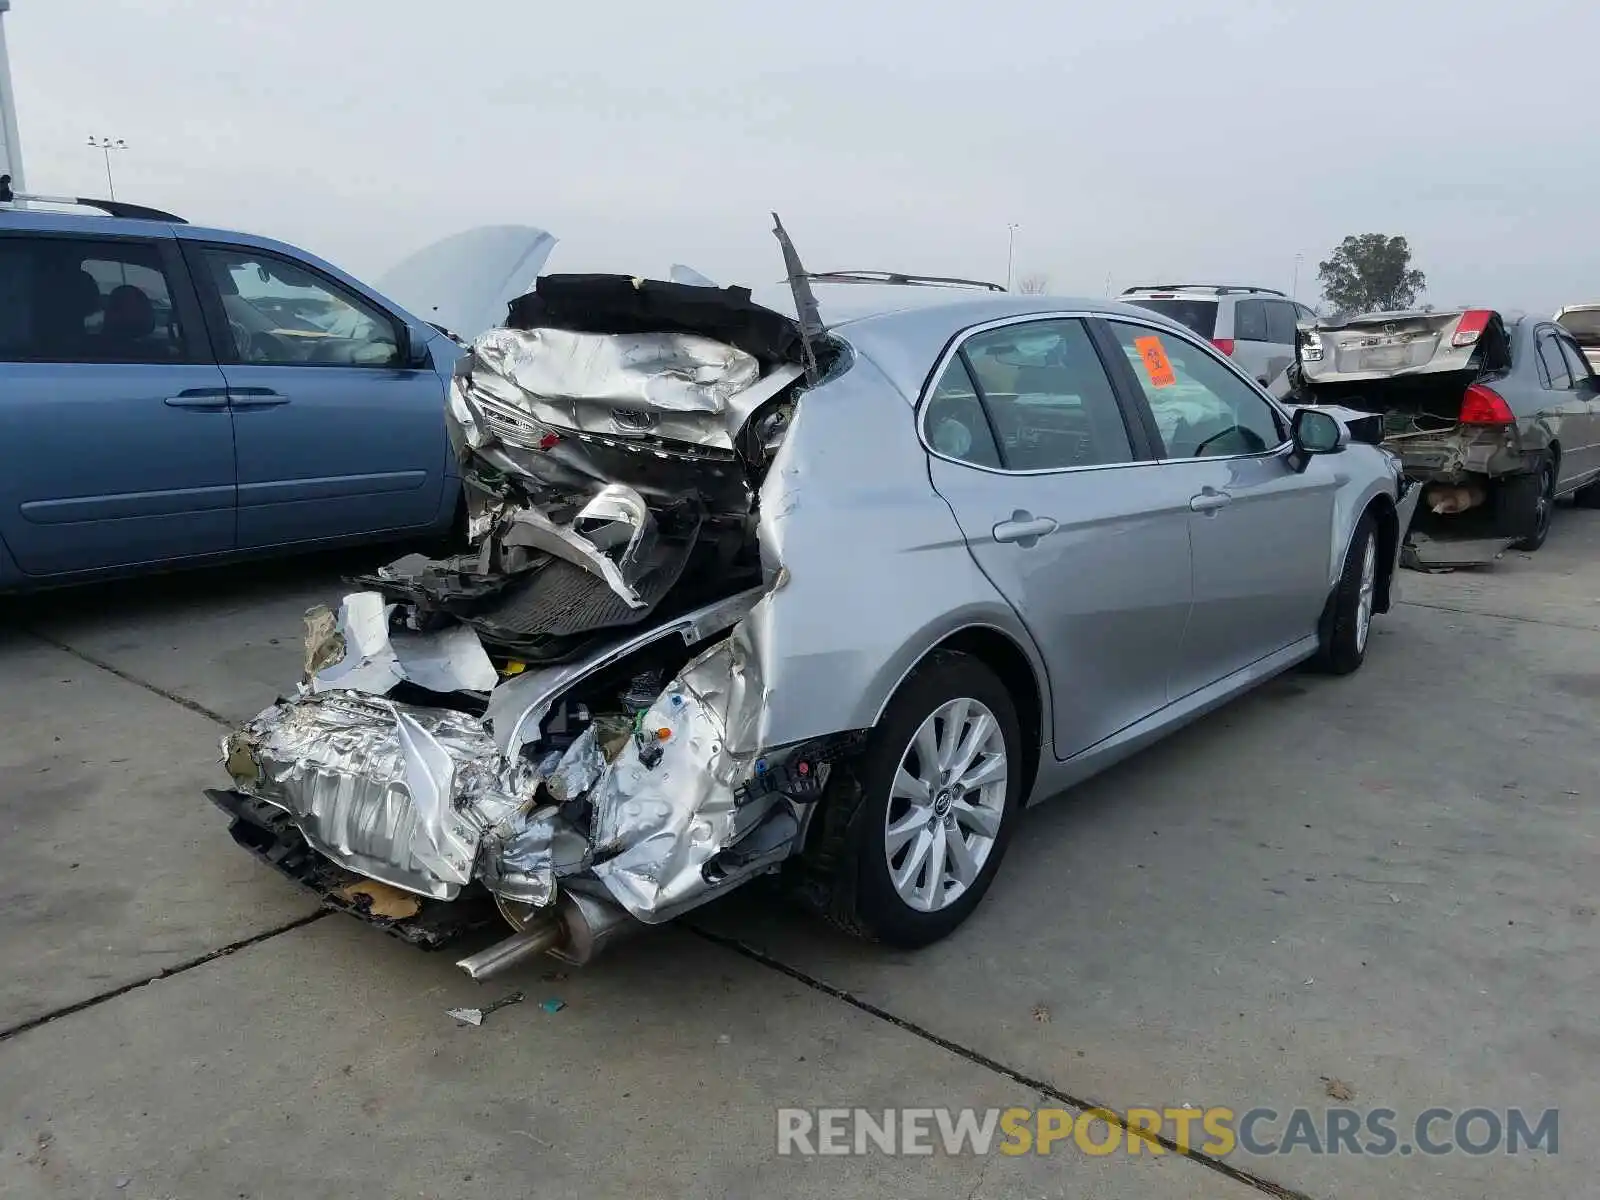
928 809
1348 624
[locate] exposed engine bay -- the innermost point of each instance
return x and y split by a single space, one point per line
562 715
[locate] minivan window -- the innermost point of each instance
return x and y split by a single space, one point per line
1583 324
281 314
81 300
1280 322
1198 315
1044 394
1250 321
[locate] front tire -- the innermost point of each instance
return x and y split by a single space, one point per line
1349 621
920 822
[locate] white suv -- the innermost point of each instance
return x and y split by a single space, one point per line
1254 326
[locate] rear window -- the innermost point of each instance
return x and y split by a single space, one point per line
1584 326
1198 315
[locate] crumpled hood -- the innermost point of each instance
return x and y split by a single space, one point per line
466 281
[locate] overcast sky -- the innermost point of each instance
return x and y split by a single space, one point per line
1208 139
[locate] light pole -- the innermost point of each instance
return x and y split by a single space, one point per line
1294 287
10 143
106 145
1011 250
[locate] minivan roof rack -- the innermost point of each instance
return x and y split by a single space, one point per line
1221 289
112 208
897 278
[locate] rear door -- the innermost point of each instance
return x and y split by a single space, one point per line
1252 343
335 436
116 444
1067 513
1259 531
1564 408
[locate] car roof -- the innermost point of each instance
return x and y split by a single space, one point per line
905 343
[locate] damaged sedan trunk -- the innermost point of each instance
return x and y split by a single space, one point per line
1470 403
558 723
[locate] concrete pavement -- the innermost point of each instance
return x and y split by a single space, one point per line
1388 880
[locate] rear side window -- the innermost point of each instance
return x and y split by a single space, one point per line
80 300
1558 378
1028 397
1198 315
1280 322
1250 321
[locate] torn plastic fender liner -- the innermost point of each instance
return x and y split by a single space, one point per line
371 659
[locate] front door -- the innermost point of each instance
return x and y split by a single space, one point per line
1259 532
114 421
1068 516
335 436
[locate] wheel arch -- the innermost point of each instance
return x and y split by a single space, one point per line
1003 655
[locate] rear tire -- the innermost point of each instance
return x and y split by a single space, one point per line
1535 502
1348 624
864 867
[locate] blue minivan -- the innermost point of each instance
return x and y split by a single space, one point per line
172 395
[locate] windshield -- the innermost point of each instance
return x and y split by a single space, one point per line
1198 315
1583 325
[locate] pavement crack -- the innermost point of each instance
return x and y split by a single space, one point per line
168 973
978 1058
180 701
1499 616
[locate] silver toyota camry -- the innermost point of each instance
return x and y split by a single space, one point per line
752 589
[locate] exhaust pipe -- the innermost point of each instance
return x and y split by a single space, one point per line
577 930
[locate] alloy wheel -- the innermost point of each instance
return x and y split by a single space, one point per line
946 804
1369 581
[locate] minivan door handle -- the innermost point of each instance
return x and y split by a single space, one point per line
255 397
1209 500
1024 528
212 398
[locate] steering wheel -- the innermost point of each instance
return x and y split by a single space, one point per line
1249 437
266 347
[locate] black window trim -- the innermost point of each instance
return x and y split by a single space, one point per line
1145 452
1539 335
220 332
1124 373
180 291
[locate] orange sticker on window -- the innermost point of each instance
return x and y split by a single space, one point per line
1156 364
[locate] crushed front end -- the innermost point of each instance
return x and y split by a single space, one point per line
558 724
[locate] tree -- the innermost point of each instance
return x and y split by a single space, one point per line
1034 285
1370 272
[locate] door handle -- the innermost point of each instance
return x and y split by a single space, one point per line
255 397
1209 500
1023 528
203 398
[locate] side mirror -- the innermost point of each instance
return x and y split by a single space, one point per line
1315 432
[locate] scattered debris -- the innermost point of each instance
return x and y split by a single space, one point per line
1041 1014
552 1005
122 1181
723 1039
475 1016
1338 1089
380 900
